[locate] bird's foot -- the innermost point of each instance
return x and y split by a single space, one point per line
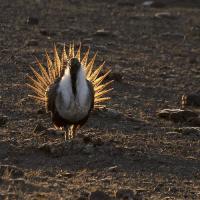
70 133
66 136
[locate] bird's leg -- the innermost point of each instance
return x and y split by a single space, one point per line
67 133
70 132
73 129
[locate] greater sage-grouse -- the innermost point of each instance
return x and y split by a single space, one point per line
69 87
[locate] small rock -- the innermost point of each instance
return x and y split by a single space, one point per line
55 185
190 131
117 76
32 21
191 100
177 115
166 15
102 32
147 3
153 4
113 168
68 174
46 32
83 195
127 194
3 120
183 116
41 111
39 128
32 42
98 195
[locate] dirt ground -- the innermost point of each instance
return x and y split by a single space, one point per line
153 52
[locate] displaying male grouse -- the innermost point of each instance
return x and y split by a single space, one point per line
69 88
71 98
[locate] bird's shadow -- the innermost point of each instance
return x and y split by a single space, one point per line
114 120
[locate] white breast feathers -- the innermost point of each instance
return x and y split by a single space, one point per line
69 106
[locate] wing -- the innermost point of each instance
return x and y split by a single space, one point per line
91 90
51 96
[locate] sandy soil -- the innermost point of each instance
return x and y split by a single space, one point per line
154 57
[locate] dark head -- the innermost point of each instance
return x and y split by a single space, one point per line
74 66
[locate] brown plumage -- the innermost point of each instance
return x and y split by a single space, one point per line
70 88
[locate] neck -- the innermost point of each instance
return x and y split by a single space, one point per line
73 81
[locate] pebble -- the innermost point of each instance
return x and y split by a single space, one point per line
127 194
47 33
32 21
113 168
117 76
166 15
41 111
177 115
98 195
102 32
3 120
153 4
191 99
83 195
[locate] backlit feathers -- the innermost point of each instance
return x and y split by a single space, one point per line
46 75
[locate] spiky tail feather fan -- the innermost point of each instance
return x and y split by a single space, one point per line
47 75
